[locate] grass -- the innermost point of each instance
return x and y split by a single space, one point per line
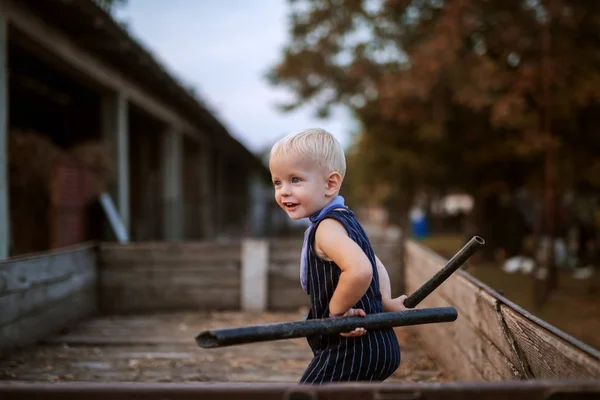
573 308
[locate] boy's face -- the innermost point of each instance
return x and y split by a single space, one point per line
302 187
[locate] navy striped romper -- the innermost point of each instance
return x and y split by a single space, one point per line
371 357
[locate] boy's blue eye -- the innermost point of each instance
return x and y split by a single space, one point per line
276 183
295 180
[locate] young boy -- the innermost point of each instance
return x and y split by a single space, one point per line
339 270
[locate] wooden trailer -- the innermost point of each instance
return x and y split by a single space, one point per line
120 321
103 320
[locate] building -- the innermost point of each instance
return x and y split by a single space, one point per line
72 75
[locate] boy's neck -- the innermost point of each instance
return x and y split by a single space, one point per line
333 198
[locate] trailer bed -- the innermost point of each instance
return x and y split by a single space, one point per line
161 348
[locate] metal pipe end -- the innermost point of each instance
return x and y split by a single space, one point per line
479 240
207 340
452 314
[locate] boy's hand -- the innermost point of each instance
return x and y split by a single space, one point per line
399 303
354 312
393 305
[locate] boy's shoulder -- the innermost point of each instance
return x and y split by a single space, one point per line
341 217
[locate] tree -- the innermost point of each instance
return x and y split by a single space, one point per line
448 93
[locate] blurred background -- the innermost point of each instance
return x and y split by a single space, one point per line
459 118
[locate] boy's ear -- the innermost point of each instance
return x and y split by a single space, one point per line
334 183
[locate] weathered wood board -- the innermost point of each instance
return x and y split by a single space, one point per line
285 292
493 339
161 348
41 294
158 276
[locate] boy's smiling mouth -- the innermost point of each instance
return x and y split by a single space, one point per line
290 206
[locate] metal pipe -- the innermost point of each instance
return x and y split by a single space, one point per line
452 265
288 330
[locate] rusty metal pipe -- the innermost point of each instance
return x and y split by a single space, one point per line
452 265
288 330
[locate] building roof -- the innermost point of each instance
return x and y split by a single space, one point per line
94 30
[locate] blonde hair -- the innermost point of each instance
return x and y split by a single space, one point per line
316 143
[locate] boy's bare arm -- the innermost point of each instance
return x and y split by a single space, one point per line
385 287
333 241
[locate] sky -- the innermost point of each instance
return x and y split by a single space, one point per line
223 49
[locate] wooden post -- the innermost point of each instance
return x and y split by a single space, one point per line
115 131
4 187
221 200
208 202
258 212
172 159
254 275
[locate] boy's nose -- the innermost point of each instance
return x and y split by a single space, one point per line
286 190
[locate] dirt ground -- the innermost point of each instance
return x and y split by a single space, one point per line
161 348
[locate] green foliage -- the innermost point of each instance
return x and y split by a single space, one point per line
449 93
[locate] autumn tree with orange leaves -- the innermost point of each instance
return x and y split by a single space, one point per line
449 93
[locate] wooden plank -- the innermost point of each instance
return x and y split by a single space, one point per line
473 303
52 318
285 293
194 246
181 294
174 266
122 257
220 277
487 312
20 274
113 348
452 360
279 245
45 292
29 273
285 256
168 276
17 305
254 275
198 250
285 251
548 356
285 269
197 283
460 345
285 301
125 299
390 255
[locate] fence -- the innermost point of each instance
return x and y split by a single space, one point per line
250 274
161 276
